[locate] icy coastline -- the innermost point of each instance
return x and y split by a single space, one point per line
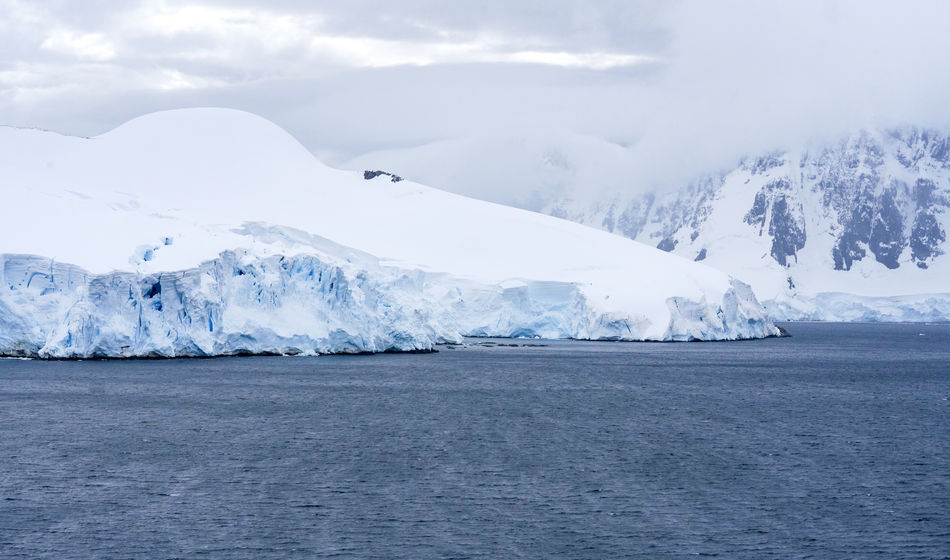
237 305
841 307
213 232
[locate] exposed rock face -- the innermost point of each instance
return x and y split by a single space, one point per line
926 236
668 244
373 174
785 220
887 240
927 233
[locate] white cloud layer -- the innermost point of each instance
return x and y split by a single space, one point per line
686 86
82 46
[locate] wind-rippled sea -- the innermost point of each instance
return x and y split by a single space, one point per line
834 443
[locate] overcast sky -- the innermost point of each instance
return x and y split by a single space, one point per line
684 84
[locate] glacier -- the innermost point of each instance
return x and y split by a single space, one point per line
206 232
238 304
851 308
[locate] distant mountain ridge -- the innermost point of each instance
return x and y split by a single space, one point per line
849 229
867 215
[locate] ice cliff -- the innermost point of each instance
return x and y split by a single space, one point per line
213 232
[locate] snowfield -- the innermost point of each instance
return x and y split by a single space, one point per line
213 232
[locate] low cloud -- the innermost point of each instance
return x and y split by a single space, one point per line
682 88
749 76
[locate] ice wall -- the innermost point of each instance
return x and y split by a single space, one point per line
308 304
228 305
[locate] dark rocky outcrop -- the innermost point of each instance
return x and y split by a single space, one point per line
373 174
756 215
785 223
788 237
887 240
925 238
668 244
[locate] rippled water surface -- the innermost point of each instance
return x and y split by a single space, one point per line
832 444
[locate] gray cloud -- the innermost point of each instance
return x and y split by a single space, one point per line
719 79
781 74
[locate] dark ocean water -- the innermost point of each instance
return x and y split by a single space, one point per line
832 444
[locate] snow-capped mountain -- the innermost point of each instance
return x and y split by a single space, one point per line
853 230
211 231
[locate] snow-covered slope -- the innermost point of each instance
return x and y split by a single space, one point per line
523 170
212 231
850 230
